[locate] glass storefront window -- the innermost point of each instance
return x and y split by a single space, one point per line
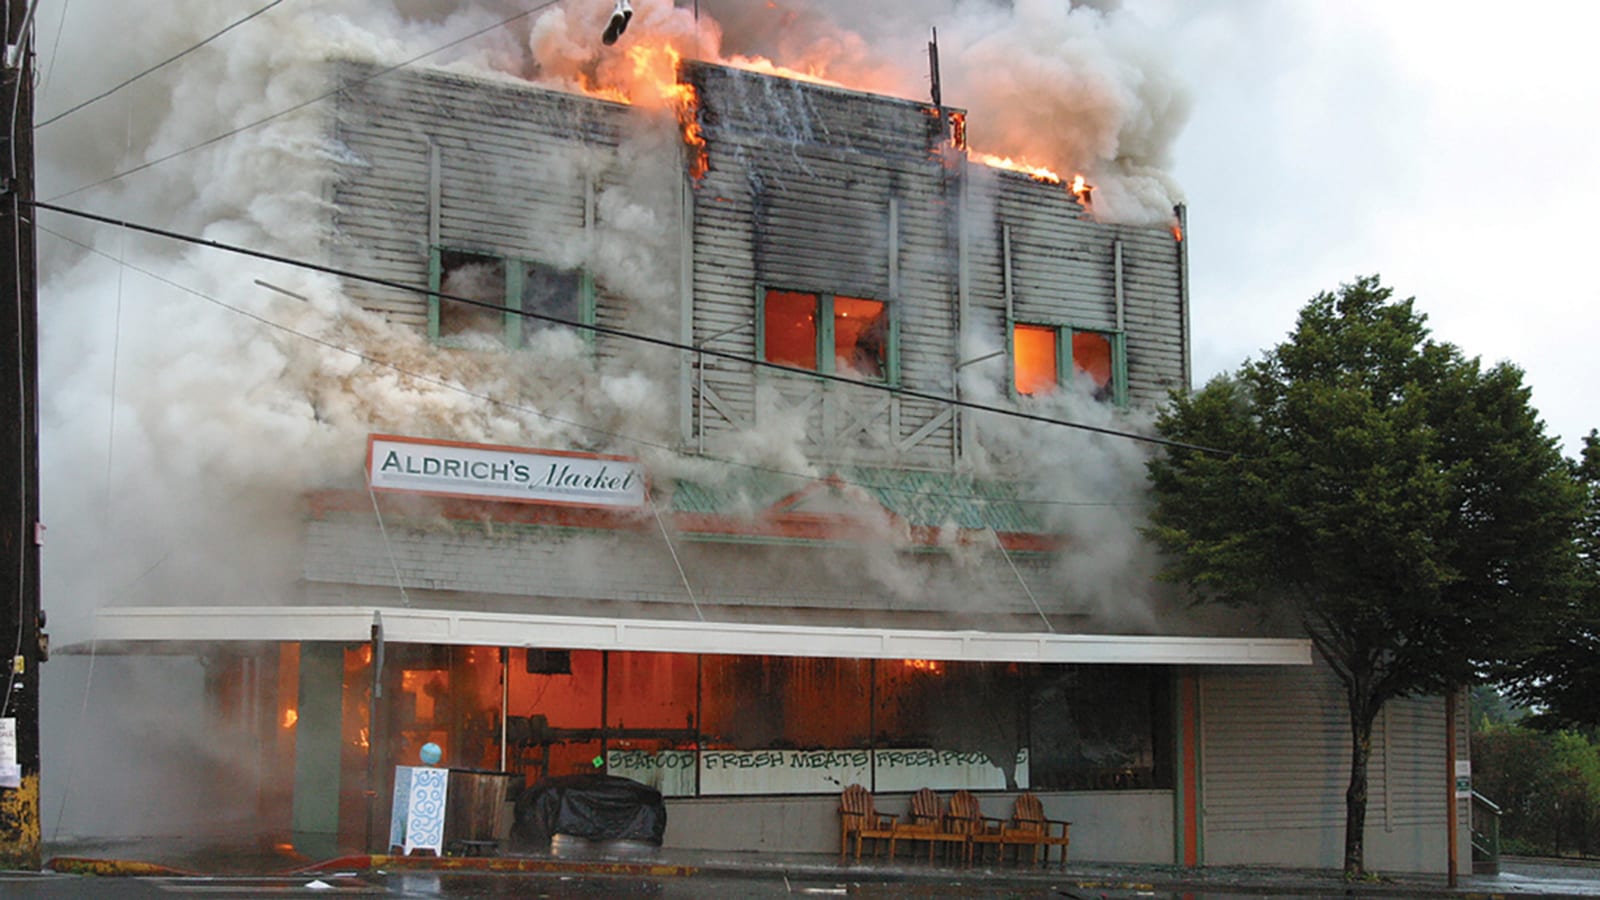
652 708
950 726
1098 728
779 725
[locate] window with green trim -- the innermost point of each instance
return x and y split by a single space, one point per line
1040 353
514 286
829 333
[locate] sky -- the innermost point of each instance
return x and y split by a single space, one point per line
1450 148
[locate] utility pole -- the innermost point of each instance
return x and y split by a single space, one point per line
21 649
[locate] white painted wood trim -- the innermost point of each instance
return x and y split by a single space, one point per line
442 626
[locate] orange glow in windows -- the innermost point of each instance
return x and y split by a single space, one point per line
1091 358
791 327
1041 352
827 333
1035 353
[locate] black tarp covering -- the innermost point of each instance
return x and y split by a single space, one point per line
592 807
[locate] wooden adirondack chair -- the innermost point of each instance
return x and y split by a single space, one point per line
1029 827
858 819
928 823
963 817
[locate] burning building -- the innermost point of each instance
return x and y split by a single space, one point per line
740 506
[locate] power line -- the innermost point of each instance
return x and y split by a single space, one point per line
594 430
302 105
171 59
631 336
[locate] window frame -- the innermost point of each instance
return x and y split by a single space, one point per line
826 335
512 324
1064 332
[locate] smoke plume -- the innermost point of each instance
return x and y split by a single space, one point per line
186 406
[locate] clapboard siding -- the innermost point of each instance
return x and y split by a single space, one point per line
511 163
810 188
1275 751
1276 763
1063 270
799 196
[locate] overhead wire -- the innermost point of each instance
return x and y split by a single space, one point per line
591 429
630 335
55 51
155 68
305 103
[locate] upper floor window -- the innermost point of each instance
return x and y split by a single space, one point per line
828 333
1040 353
513 285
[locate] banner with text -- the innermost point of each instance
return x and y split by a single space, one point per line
782 771
669 771
826 771
503 473
944 770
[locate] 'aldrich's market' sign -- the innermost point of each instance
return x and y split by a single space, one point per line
504 473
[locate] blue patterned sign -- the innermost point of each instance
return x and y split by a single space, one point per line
417 822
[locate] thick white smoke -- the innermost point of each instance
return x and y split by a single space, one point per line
185 407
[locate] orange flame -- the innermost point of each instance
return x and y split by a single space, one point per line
290 716
688 106
1177 231
1081 189
958 130
931 666
1037 173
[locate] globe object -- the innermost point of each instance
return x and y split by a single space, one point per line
431 754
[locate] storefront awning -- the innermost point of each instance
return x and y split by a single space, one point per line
159 625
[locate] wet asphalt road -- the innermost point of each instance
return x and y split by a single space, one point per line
1521 880
535 887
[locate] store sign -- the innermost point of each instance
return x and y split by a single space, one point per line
503 473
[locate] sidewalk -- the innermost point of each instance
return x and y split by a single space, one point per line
155 857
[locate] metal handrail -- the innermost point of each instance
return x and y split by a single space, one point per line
1485 834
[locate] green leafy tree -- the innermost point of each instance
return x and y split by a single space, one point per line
1560 676
1547 786
1399 500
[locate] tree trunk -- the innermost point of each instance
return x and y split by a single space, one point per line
1362 714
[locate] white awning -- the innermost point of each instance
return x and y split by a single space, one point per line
197 624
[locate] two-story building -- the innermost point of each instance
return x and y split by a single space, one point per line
772 524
